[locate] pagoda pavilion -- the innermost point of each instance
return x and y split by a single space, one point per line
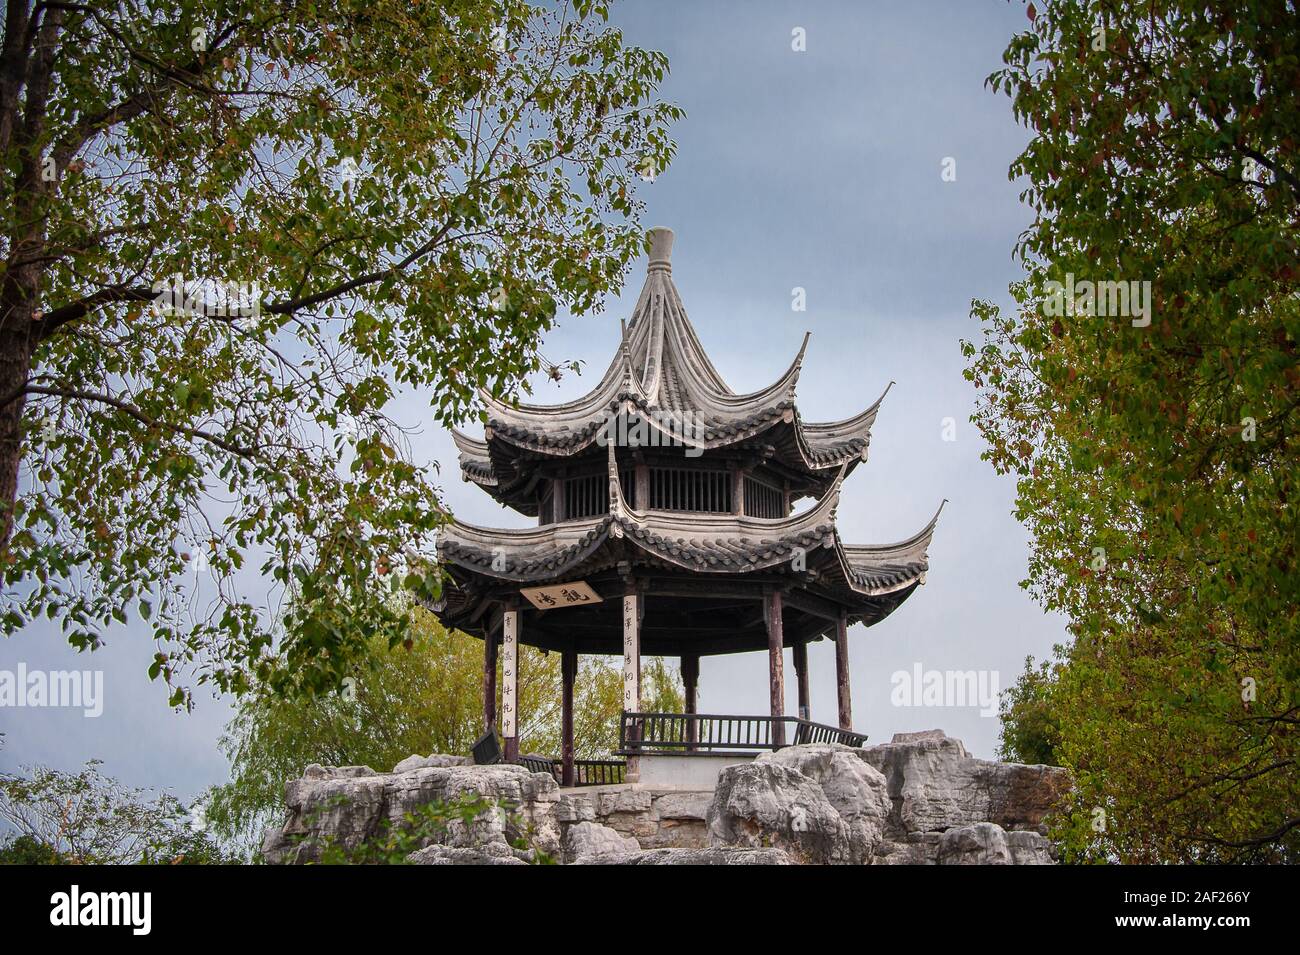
666 526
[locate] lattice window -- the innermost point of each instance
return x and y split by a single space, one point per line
627 479
586 496
763 500
689 489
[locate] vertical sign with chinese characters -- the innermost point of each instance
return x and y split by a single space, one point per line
631 655
509 673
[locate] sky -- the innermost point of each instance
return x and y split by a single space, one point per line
818 169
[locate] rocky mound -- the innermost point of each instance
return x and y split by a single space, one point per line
920 799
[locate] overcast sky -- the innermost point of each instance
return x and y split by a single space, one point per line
821 170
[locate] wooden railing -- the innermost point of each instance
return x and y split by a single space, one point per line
586 772
597 772
702 733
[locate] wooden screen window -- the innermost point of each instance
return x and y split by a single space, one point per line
688 489
546 509
763 500
627 479
586 496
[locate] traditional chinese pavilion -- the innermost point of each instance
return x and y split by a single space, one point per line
667 525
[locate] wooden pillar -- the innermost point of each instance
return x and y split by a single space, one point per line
800 653
632 671
568 674
642 501
776 665
690 681
489 680
510 684
842 672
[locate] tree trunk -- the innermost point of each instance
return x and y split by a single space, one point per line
15 367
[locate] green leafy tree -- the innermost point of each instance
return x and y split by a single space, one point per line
421 699
1031 731
89 818
229 233
1154 442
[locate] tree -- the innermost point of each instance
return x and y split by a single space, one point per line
402 701
90 818
1031 730
232 231
1152 428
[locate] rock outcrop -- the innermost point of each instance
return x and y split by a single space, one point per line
920 799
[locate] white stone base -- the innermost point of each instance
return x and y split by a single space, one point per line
698 773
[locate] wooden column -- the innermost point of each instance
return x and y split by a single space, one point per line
776 665
568 673
690 681
800 653
642 502
842 672
510 684
632 670
489 680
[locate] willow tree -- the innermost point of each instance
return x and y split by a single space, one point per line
1157 448
402 701
232 231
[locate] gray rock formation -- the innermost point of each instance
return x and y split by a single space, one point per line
935 784
769 804
349 807
590 841
715 856
920 799
434 761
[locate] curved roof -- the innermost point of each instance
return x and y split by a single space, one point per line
662 375
724 544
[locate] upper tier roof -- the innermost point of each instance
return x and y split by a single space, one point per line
662 375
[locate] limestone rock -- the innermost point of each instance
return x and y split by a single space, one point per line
981 844
350 809
711 856
1029 848
769 804
853 787
934 784
584 840
433 760
494 853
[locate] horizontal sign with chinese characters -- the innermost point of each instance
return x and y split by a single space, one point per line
561 595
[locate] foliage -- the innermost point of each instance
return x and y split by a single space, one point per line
28 850
1156 461
355 197
89 818
423 699
1031 731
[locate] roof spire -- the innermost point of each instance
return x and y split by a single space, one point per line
661 250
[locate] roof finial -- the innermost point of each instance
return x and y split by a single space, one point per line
661 249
